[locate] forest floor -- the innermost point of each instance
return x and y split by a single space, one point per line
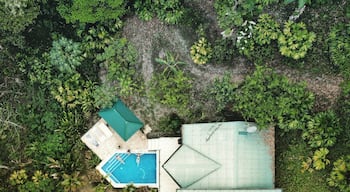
153 38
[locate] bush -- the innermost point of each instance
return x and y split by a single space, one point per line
340 175
266 30
173 91
339 48
222 91
104 96
223 51
91 11
295 40
171 87
322 130
271 99
201 51
170 123
234 13
119 58
168 11
245 42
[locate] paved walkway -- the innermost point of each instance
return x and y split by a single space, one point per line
167 146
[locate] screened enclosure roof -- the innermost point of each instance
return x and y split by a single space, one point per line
121 119
230 158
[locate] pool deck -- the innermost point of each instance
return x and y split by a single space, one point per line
167 146
104 141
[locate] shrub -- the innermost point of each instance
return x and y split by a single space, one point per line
222 91
340 175
119 58
295 40
65 55
74 92
173 91
168 11
271 99
234 13
266 30
322 130
201 51
91 11
223 51
288 174
339 48
171 87
245 42
104 96
170 123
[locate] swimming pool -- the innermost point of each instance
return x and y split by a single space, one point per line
123 168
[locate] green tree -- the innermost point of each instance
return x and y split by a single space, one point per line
91 11
74 92
105 96
270 99
168 11
170 123
15 17
222 91
119 59
66 55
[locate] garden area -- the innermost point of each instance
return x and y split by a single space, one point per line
281 63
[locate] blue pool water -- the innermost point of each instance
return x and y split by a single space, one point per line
126 169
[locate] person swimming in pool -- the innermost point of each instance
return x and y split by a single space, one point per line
138 159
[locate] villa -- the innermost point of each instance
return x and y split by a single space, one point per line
208 157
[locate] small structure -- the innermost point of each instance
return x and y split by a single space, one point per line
214 157
121 119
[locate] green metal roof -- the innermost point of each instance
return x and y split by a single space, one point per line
121 119
246 161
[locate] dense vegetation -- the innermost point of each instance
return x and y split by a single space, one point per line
62 61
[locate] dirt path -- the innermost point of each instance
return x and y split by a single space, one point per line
153 38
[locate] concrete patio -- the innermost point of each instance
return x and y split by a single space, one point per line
104 141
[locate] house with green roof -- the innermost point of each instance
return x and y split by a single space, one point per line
225 156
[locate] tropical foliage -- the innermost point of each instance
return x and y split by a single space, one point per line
295 40
339 47
270 99
201 51
65 55
322 130
171 87
168 11
61 61
339 176
91 11
222 91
